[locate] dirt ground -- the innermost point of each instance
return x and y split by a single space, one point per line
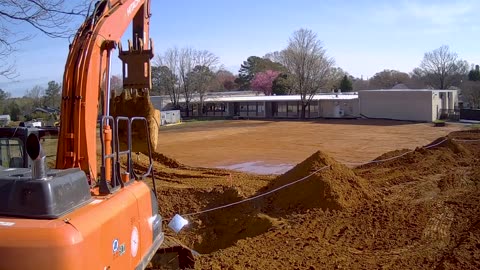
416 211
224 143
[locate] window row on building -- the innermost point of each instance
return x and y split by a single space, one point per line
273 109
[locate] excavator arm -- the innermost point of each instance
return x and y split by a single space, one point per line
86 84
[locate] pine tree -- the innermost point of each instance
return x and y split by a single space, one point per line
346 84
52 94
474 74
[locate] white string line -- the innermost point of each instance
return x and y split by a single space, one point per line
466 140
304 178
257 196
406 153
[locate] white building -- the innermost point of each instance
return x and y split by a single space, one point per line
423 105
407 104
341 105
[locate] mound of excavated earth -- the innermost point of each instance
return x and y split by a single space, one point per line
417 210
424 214
327 184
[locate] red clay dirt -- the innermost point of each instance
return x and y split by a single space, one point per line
328 185
224 143
419 211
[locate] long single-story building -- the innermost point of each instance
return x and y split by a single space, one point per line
424 105
336 105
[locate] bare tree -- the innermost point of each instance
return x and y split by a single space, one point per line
275 56
185 66
178 67
50 17
336 76
307 61
35 94
387 79
205 62
206 59
116 84
195 71
225 79
359 84
202 79
442 69
169 63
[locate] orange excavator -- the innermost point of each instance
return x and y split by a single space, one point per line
91 211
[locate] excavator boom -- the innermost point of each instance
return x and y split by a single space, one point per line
86 84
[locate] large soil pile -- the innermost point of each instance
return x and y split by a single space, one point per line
424 215
136 104
417 211
442 152
445 158
329 185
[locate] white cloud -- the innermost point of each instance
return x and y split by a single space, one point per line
437 14
441 13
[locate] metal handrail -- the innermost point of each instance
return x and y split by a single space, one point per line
150 167
116 153
127 152
143 119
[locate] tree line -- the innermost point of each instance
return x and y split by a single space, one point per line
303 68
22 108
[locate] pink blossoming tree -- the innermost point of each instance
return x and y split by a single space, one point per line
263 81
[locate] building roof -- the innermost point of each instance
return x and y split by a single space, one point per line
251 98
409 90
46 110
279 98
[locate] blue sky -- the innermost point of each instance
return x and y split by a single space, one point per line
363 37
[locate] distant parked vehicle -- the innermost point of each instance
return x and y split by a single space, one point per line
4 120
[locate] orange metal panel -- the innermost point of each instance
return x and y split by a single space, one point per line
95 236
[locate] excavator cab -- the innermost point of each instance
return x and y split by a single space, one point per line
13 151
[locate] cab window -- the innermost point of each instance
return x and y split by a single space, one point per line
11 153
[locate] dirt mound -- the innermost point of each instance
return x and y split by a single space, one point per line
447 161
132 105
436 157
453 180
417 211
432 235
449 144
472 134
391 155
218 229
164 160
334 187
159 160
